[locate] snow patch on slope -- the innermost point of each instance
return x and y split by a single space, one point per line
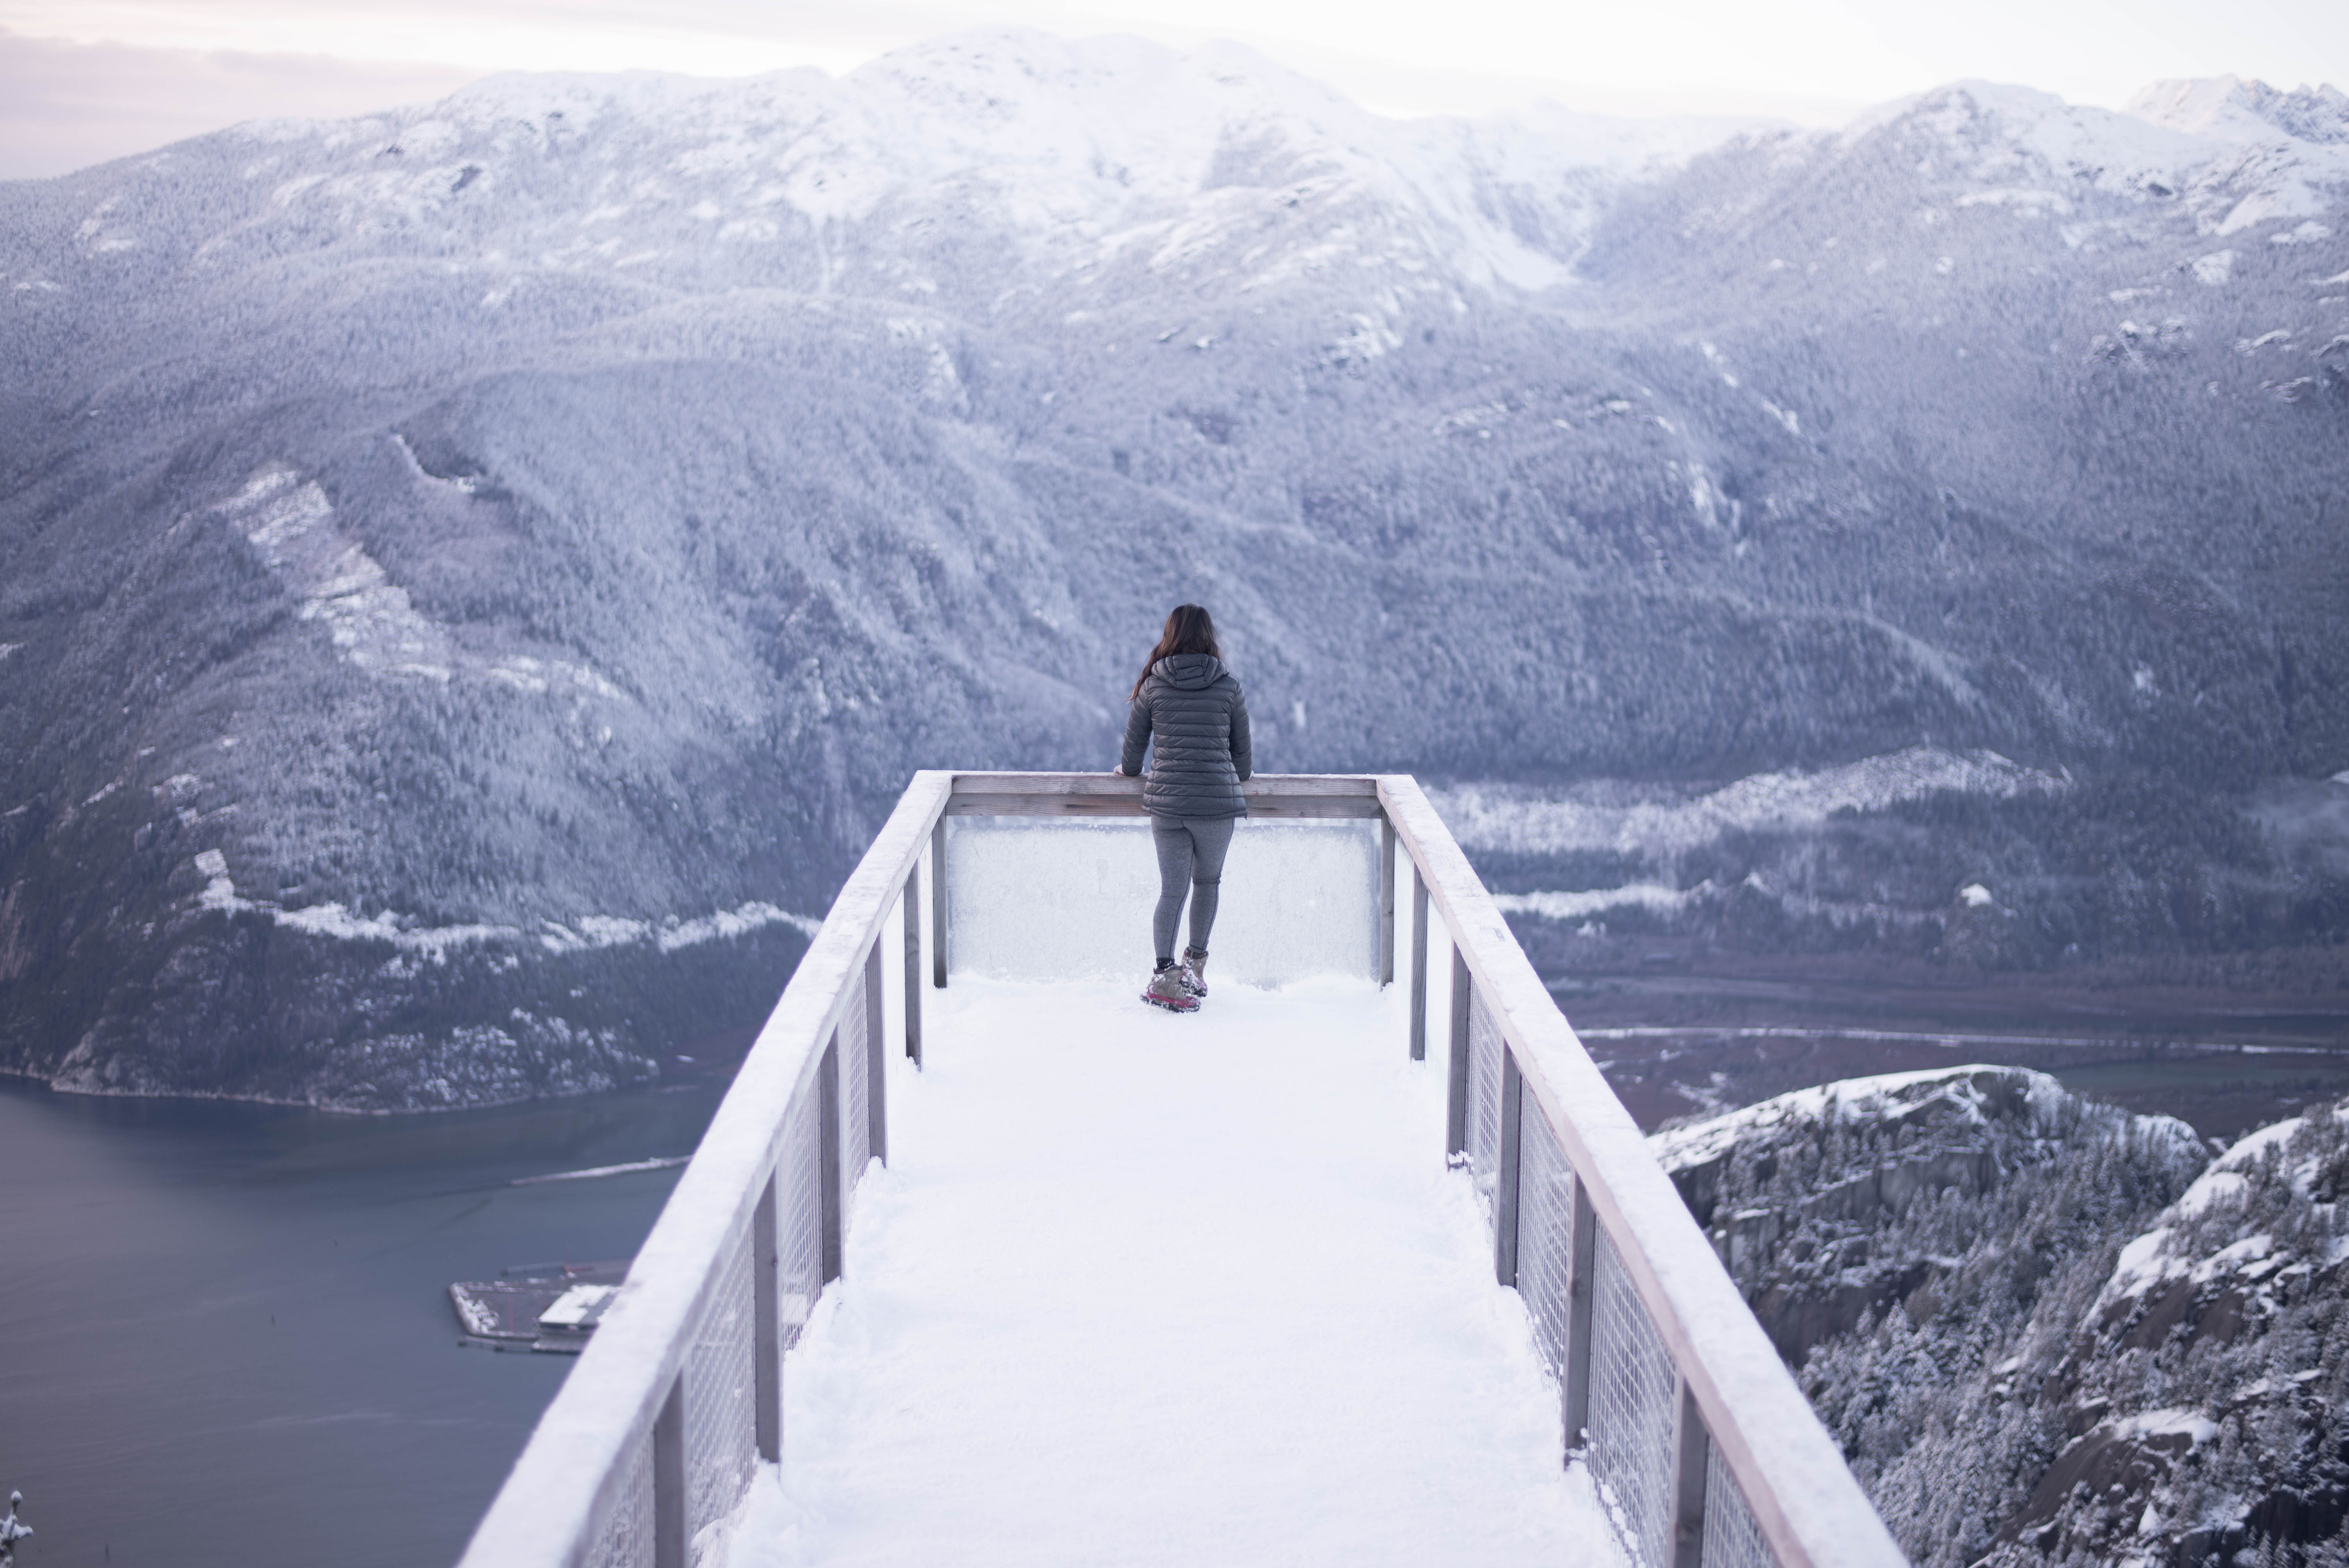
1554 906
1510 819
291 523
669 934
588 933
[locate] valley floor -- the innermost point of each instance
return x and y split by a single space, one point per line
1692 1033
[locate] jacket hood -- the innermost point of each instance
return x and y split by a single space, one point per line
1189 672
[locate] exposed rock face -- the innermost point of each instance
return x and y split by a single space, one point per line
2038 1332
525 542
2209 1381
1831 1205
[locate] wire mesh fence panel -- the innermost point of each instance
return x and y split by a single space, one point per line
799 1238
1732 1537
721 1418
1484 1047
1632 1394
855 1091
1545 1235
626 1540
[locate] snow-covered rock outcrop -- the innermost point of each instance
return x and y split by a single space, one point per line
2046 1330
1831 1205
2209 1385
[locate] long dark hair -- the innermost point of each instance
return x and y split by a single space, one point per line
1189 630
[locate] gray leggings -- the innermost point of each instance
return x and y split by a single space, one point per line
1190 859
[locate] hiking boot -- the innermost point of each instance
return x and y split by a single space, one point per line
1195 973
1166 990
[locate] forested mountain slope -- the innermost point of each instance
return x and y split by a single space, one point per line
471 578
2046 1330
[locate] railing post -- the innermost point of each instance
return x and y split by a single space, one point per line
766 1326
1688 1457
876 1061
1505 1180
828 1142
938 905
1386 899
670 1527
1418 964
912 900
1582 1276
1455 1118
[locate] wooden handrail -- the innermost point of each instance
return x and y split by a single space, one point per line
1802 1496
572 1472
1273 794
575 1469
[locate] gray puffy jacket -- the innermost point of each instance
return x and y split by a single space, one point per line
1192 707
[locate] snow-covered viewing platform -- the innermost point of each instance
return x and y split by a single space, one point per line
985 1260
1154 1289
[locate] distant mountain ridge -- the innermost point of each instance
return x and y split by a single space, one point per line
471 577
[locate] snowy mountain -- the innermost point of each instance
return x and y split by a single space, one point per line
471 577
2046 1330
1831 1205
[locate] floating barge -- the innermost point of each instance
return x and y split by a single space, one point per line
549 1308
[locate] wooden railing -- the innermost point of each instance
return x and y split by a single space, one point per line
1699 1439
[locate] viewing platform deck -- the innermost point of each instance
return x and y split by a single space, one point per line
985 1260
1147 1289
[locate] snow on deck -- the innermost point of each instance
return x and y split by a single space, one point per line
1143 1289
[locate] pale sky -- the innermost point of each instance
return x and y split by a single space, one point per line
84 80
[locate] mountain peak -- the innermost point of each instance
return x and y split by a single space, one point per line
2234 109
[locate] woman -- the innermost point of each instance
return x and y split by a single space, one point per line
1189 705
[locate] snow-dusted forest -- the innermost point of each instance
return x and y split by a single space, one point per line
473 578
2045 1330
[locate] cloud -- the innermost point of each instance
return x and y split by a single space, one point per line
66 106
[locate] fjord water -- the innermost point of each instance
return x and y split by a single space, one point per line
225 1335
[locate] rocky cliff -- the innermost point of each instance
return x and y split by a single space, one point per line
2046 1330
